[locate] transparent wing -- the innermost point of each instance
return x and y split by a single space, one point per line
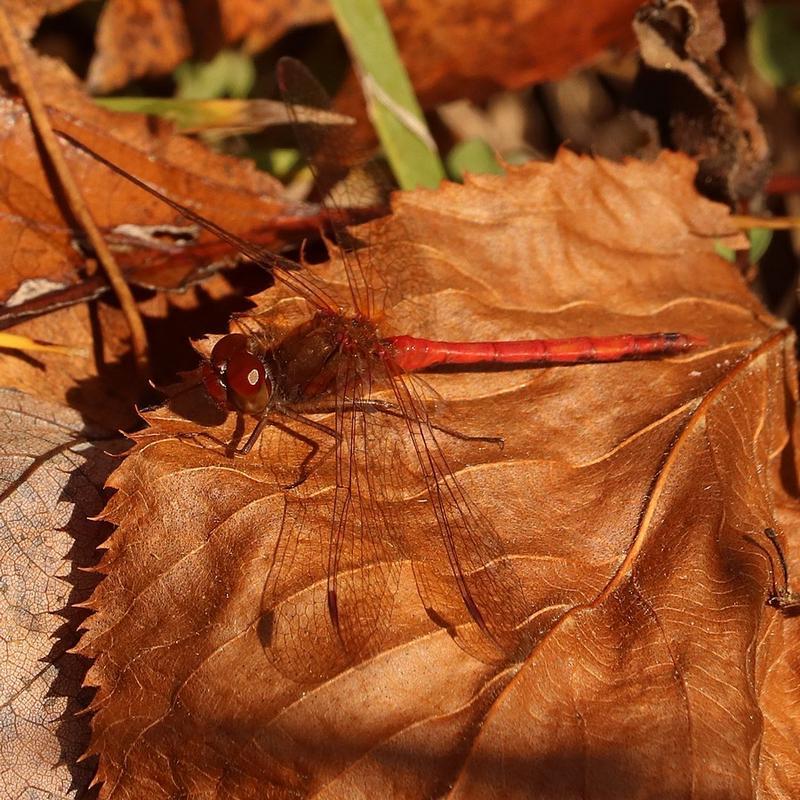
328 598
464 576
346 177
283 269
382 266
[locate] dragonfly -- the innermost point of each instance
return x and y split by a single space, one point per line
337 374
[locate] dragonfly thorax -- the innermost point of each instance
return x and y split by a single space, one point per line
306 363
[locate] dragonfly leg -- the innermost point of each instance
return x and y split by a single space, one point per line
265 420
313 445
229 445
252 439
317 426
305 465
385 407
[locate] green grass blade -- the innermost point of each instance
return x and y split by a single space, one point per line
472 156
391 102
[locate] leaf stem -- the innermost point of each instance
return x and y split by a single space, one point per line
770 223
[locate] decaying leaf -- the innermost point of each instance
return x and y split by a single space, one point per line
99 379
136 38
520 42
51 475
701 106
27 14
628 498
154 245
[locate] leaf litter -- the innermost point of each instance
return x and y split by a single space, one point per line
153 247
52 471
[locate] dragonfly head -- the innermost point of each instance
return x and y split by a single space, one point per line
235 377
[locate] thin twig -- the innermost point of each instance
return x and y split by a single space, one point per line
770 223
40 120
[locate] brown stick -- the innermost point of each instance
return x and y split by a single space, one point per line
39 119
771 223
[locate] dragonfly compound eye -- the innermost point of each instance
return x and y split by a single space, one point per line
214 386
234 377
227 347
248 387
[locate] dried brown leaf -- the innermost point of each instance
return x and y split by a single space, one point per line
154 245
260 24
27 14
51 477
707 113
452 49
462 49
629 497
137 38
99 380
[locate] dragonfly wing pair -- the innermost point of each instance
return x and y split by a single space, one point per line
329 598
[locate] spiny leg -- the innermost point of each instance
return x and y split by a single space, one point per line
385 407
313 450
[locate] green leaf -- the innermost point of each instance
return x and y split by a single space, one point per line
188 115
229 74
773 44
760 239
472 155
728 253
391 102
280 161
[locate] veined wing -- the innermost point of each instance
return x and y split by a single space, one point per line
328 598
463 574
283 269
344 174
389 269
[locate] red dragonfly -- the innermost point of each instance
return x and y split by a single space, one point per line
337 361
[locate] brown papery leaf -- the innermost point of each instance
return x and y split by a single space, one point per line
98 378
521 42
716 122
629 498
153 244
136 38
52 472
27 14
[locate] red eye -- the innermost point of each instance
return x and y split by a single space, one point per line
214 385
248 387
226 348
245 374
235 377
